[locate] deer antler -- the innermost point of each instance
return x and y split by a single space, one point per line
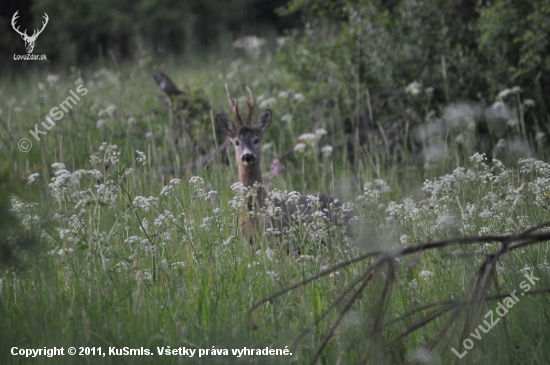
24 34
250 104
15 16
43 26
233 105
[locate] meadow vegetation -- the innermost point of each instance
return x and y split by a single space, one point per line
102 248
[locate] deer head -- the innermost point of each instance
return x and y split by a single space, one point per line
246 138
29 41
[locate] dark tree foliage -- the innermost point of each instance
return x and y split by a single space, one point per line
515 35
83 30
360 55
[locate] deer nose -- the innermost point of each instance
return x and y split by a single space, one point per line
248 158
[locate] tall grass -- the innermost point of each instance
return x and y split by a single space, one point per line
129 257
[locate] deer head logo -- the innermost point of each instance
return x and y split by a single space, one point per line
29 41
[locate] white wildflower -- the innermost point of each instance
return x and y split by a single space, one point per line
107 192
52 79
526 269
528 103
286 118
504 93
413 88
178 265
299 97
109 111
457 252
146 204
283 95
272 275
308 137
142 159
326 151
425 274
144 275
486 214
163 218
320 132
266 103
33 178
300 147
250 43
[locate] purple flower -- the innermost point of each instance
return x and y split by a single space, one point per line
277 167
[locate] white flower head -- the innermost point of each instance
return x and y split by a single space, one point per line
300 147
33 178
52 79
320 132
326 150
413 88
286 118
266 103
425 274
109 111
299 97
101 123
142 159
146 204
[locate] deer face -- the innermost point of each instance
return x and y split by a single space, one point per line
246 139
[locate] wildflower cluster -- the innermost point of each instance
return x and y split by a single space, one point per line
503 201
311 140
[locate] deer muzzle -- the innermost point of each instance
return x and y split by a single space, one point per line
248 158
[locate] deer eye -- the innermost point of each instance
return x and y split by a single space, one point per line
256 141
236 143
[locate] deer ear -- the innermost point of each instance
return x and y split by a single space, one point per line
226 126
264 121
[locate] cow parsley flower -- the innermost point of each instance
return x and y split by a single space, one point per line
146 204
142 159
33 178
326 151
426 275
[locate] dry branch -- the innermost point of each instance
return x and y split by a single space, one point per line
470 308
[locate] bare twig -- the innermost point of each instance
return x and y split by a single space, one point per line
471 307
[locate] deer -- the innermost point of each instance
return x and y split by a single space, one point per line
29 41
247 141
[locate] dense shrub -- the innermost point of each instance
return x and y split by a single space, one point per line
396 65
